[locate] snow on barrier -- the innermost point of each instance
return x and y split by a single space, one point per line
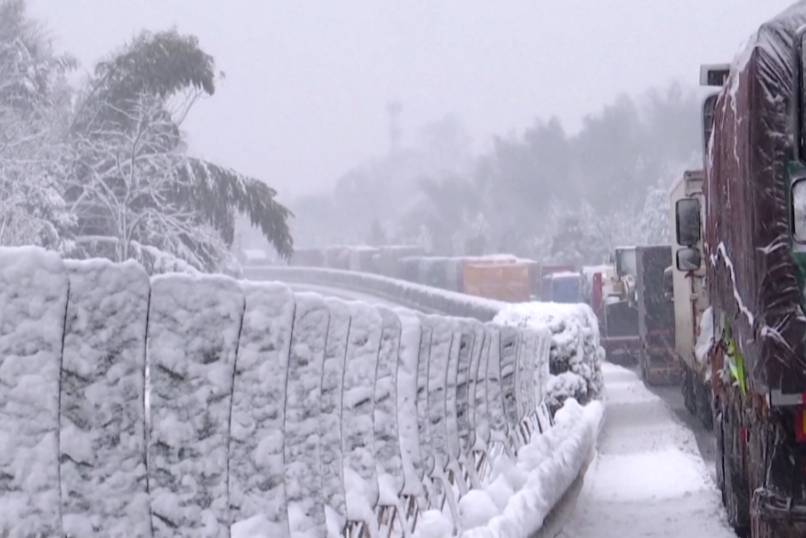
575 353
33 298
194 325
402 292
256 475
330 417
102 435
303 473
201 406
358 417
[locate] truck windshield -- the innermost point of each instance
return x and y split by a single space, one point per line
626 262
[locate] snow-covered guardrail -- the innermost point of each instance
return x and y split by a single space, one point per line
403 292
189 405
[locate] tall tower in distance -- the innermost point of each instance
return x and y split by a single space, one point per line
393 110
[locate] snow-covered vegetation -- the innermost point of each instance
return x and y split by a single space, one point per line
576 354
548 194
101 169
200 405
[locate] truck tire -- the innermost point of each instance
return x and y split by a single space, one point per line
735 489
720 450
702 403
687 388
642 363
757 454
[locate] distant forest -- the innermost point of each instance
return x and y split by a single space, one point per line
544 193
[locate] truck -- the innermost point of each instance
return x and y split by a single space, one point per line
752 232
620 337
656 328
563 287
690 297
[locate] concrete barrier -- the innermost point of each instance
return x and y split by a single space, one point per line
200 405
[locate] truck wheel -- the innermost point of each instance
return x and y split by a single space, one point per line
642 364
720 450
702 402
687 388
760 527
735 487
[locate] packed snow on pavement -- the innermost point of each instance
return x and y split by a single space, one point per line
648 478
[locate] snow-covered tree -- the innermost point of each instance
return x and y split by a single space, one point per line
655 223
131 182
124 185
104 171
33 109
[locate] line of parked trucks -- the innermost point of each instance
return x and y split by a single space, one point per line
502 277
722 310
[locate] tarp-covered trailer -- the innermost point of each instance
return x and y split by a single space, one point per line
500 281
545 283
755 256
655 307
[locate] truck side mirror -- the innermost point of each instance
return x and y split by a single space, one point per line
799 209
688 259
799 110
687 217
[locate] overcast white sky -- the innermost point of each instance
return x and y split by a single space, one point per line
308 81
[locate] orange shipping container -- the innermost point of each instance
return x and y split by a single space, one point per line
504 281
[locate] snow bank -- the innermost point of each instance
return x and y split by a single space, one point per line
522 491
194 324
102 437
575 345
33 297
542 473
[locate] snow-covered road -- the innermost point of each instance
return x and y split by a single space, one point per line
354 295
344 294
648 478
